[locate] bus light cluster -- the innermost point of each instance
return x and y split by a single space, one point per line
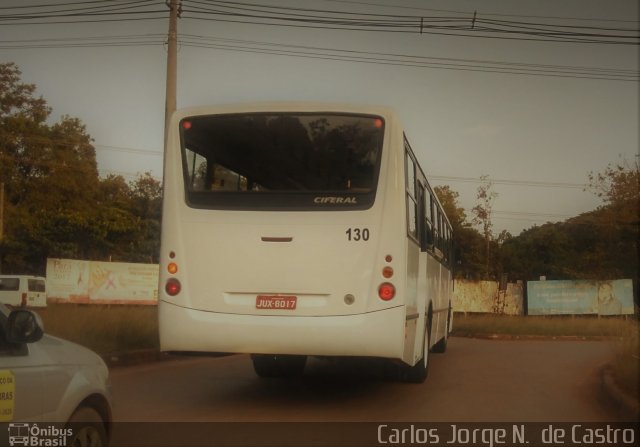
172 286
387 291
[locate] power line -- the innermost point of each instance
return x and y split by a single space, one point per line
457 24
470 13
335 54
129 150
408 60
533 183
81 12
461 25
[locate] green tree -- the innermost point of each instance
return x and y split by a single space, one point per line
617 223
467 241
146 197
50 177
55 203
482 216
600 244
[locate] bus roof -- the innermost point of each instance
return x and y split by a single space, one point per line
284 106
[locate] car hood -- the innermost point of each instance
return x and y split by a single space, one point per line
54 350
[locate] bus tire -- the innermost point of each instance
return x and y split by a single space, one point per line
418 373
271 365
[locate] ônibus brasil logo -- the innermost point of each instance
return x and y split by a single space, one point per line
32 435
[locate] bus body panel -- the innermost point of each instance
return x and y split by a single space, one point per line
375 334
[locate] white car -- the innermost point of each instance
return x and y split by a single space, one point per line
50 389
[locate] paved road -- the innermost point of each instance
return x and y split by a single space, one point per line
475 381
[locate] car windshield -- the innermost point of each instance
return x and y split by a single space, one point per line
281 160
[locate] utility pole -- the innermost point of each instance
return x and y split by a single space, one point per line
175 7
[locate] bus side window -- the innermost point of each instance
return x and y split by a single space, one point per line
427 231
412 202
422 217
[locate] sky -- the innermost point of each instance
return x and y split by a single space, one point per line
534 116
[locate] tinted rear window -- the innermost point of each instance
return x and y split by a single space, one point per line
281 161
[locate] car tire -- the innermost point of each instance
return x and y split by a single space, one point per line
88 428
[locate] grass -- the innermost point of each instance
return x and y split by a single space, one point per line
486 324
106 330
110 330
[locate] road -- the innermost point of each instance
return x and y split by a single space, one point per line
475 381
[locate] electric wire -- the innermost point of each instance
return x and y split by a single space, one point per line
334 54
511 182
313 18
458 24
469 13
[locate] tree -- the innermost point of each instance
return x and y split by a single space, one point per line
55 203
600 244
482 215
467 241
618 220
146 198
449 200
50 178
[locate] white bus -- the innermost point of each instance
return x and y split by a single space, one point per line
304 229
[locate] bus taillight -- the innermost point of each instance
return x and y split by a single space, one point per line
172 268
386 291
172 287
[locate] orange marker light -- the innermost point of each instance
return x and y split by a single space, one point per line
172 268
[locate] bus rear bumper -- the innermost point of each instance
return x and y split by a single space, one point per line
373 334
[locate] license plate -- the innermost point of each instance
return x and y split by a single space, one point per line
276 302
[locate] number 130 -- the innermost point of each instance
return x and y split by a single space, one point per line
357 234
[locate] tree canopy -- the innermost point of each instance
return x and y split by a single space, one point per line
55 203
600 244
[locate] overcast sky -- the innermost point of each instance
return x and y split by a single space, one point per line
537 135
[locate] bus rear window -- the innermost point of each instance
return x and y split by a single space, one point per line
281 161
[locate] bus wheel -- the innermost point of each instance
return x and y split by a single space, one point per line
418 372
271 365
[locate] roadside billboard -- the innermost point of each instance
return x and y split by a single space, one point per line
75 281
483 297
580 297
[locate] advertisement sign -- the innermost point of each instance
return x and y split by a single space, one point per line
580 297
96 282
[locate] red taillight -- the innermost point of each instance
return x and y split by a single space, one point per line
172 287
386 291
